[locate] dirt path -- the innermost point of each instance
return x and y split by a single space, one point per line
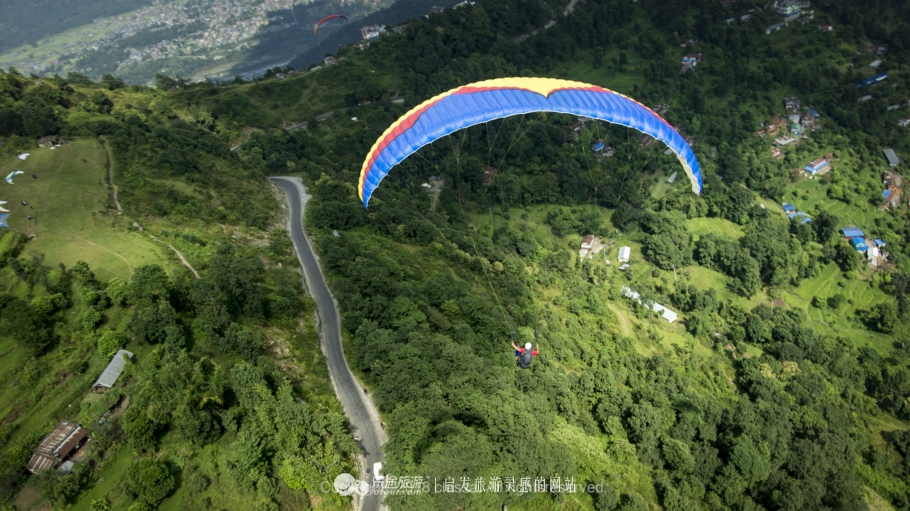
104 248
182 259
622 320
110 176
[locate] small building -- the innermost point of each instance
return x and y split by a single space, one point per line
661 108
488 175
817 165
431 179
876 63
330 60
785 140
879 242
776 153
903 123
686 42
599 146
645 141
57 446
865 98
587 242
796 130
112 372
335 233
775 27
801 217
672 177
788 208
624 254
892 158
827 27
624 266
859 244
852 232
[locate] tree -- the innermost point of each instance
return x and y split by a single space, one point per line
156 323
111 341
149 283
149 479
607 499
677 455
670 249
139 429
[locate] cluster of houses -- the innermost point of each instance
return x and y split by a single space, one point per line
790 129
591 245
63 446
794 215
873 249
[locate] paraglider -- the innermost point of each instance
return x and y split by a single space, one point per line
488 100
327 18
524 356
23 156
9 178
2 209
3 218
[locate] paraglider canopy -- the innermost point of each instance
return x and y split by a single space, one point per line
485 101
327 18
9 178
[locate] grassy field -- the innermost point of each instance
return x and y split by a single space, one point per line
73 218
585 69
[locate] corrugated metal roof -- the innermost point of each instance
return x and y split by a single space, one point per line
40 462
893 160
852 232
113 370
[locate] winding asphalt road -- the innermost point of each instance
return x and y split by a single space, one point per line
357 405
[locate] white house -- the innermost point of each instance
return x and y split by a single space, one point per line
587 242
624 253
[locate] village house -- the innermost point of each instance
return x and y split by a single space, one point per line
58 446
624 254
330 60
892 158
891 196
660 109
902 123
370 32
792 105
786 140
645 141
776 153
827 27
686 42
488 175
818 166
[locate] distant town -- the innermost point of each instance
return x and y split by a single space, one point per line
216 26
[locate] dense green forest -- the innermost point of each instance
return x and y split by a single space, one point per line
784 386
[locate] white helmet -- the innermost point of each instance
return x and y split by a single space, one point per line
528 346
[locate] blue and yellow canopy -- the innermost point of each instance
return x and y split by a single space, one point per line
488 100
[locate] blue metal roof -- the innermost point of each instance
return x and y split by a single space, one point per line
852 232
880 242
788 207
886 194
598 146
